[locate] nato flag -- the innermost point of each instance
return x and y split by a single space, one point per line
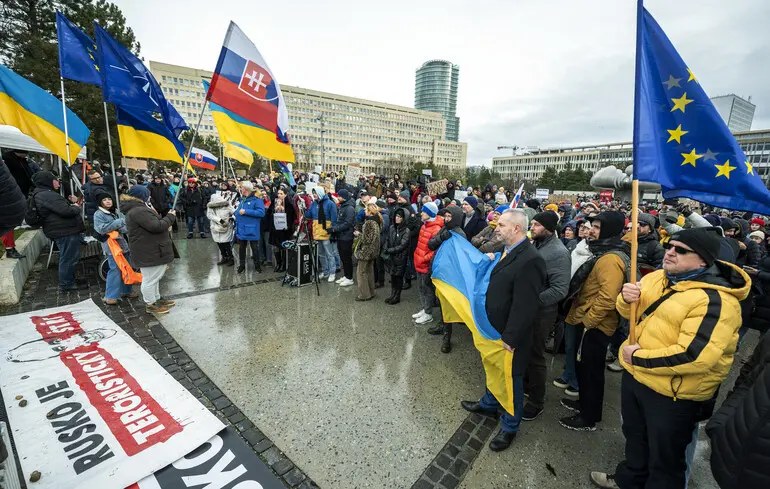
77 53
680 141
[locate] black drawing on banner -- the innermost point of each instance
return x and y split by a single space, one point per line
39 350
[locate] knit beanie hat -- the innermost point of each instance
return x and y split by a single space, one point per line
502 208
140 192
647 219
704 241
551 207
471 200
548 219
344 194
431 210
759 221
533 203
713 219
381 204
405 195
612 223
757 234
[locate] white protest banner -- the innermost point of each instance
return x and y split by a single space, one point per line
352 174
541 193
460 195
98 411
428 172
318 169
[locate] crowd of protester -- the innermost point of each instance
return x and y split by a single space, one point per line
705 280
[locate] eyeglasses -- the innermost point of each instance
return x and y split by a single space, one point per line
678 249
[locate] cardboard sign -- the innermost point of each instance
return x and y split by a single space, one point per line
99 412
437 188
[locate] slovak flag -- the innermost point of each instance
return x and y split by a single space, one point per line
203 159
245 88
517 197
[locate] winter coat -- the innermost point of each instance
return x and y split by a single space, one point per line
760 315
385 215
13 204
397 246
688 343
320 232
248 225
160 196
513 300
557 264
150 242
279 236
740 431
346 221
368 247
220 214
594 305
60 218
375 189
193 202
90 191
488 241
422 254
454 225
104 222
650 252
22 171
476 224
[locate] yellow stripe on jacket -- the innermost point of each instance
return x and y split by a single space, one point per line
688 343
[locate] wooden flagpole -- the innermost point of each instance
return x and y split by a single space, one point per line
634 250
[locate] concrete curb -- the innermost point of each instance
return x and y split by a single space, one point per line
14 273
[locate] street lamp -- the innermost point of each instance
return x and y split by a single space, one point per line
322 121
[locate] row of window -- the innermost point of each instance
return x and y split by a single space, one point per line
379 113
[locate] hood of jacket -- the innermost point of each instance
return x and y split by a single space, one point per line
347 203
458 217
400 212
721 276
43 179
127 202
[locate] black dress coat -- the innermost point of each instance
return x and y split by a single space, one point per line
474 226
513 300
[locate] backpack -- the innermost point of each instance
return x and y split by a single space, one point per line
32 217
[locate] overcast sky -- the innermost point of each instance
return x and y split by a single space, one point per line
532 72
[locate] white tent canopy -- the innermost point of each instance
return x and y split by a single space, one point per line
12 138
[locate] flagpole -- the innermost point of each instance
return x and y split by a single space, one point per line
112 160
66 132
189 151
230 162
635 183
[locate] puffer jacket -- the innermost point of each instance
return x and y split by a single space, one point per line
740 429
220 214
397 245
368 247
422 254
594 305
13 205
488 241
150 242
320 232
247 226
688 342
760 314
346 221
60 218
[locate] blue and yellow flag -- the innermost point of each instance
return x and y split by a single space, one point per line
38 114
237 152
680 141
461 276
128 83
143 136
77 53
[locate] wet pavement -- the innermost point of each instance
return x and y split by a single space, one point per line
347 394
356 394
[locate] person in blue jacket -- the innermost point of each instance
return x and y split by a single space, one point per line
248 219
323 213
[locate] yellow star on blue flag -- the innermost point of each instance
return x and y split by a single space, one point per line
76 59
713 167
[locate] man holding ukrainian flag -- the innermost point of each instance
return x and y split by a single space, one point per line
498 297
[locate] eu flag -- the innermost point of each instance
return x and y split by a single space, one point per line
680 141
77 53
127 82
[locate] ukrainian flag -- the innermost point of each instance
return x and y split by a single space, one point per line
461 276
38 114
143 136
237 152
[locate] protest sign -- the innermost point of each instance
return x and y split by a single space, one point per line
437 188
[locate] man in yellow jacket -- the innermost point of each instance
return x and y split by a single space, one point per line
688 318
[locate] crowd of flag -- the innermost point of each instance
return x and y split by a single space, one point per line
680 141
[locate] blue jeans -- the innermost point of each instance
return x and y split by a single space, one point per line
572 336
510 423
69 255
336 258
191 220
115 285
267 250
326 256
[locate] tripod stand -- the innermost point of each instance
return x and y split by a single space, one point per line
294 245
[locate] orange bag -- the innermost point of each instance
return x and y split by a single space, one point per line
129 275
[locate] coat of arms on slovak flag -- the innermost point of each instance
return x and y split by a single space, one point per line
256 82
198 157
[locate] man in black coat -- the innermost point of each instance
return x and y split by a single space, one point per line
62 223
473 222
513 302
343 231
192 201
21 169
12 208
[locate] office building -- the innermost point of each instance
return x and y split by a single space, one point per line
435 89
736 112
532 165
335 131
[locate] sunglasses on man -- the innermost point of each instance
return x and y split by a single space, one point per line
678 249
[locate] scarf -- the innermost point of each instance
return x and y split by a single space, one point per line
673 279
605 245
493 224
321 214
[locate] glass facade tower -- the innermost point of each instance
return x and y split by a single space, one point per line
435 89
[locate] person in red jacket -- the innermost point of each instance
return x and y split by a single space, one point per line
432 224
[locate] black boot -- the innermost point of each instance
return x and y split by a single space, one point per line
222 261
446 341
258 267
407 284
436 329
241 268
396 297
389 300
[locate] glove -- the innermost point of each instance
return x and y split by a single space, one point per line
672 217
684 209
444 234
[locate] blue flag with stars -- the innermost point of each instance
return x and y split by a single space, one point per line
77 53
680 141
